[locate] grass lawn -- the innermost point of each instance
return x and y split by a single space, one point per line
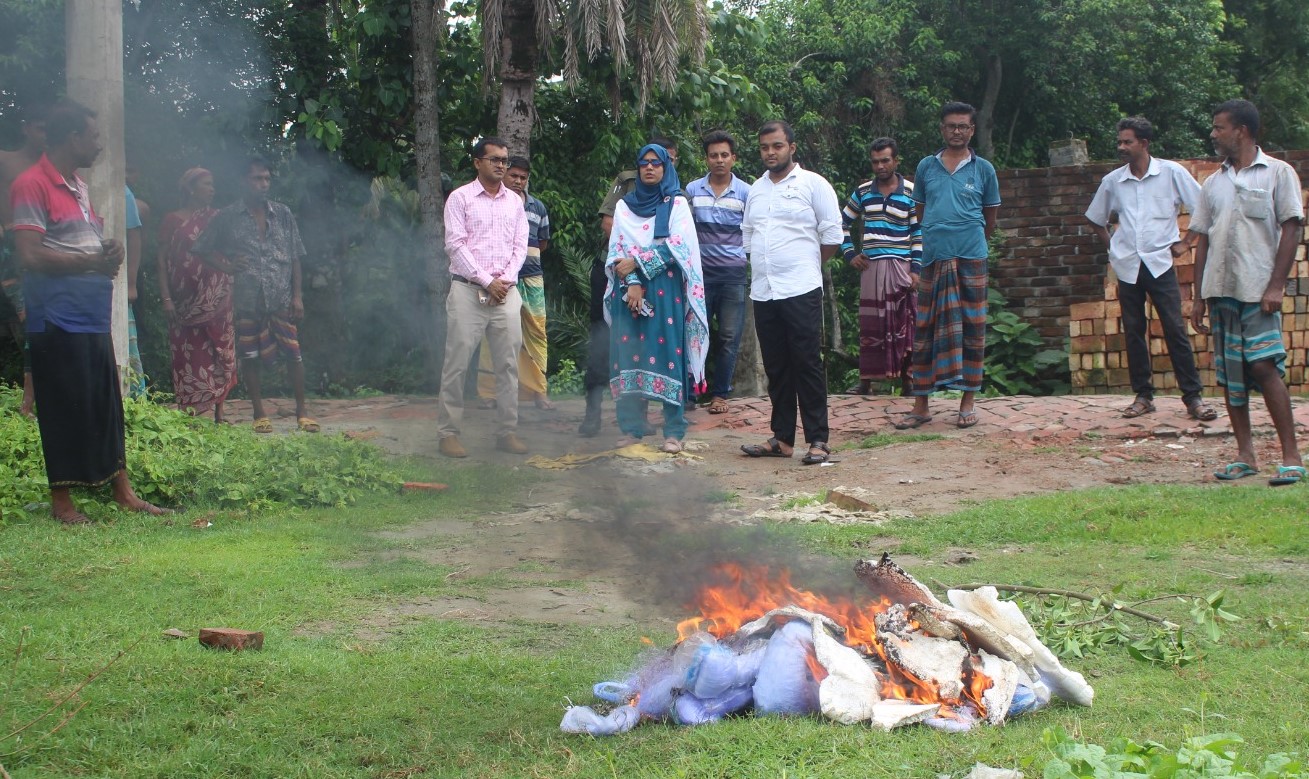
433 698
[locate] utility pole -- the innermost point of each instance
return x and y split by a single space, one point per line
94 62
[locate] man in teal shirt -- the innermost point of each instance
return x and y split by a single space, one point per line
958 197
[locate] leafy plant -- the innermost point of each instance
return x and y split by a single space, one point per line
177 459
567 379
1201 756
1017 362
1077 626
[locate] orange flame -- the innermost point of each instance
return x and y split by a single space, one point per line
744 594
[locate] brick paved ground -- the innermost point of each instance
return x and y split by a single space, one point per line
1053 419
1060 418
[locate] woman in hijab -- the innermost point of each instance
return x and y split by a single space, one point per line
658 331
198 303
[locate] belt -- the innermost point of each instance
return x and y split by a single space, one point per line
463 280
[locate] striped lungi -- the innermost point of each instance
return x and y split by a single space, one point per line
950 336
886 319
1244 334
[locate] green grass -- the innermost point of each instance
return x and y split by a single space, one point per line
332 696
878 440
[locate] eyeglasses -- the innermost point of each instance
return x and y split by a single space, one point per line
499 162
650 163
957 128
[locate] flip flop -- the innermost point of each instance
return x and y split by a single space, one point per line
773 449
719 406
814 459
912 422
1234 471
1139 407
967 418
1287 475
308 425
263 425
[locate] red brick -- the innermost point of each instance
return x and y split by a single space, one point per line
231 638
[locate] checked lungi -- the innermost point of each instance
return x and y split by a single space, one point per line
950 335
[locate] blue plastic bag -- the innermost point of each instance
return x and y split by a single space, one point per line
785 685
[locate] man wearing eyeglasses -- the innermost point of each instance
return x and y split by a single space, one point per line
958 196
486 238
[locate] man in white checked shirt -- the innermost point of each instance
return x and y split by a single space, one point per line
486 238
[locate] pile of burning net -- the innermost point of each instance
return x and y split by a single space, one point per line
897 657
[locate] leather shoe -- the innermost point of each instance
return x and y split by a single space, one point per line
450 447
511 443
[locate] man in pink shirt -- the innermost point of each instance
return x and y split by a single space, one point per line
486 238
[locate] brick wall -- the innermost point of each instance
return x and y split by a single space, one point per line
1056 275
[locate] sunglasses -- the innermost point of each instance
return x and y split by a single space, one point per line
650 163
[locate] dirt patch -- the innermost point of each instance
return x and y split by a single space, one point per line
589 545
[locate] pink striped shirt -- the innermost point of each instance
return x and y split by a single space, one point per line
485 235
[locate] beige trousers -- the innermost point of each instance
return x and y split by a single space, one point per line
467 321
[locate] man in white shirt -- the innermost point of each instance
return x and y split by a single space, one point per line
1147 194
792 225
1249 220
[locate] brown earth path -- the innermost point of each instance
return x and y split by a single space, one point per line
568 548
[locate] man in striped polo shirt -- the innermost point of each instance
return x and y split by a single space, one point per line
886 247
718 205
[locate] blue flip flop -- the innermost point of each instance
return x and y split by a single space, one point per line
1287 474
1234 471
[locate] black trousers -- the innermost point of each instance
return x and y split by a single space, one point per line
1167 299
791 342
597 348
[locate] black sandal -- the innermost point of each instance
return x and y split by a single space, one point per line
814 459
773 449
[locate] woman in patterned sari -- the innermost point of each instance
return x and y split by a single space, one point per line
198 303
658 332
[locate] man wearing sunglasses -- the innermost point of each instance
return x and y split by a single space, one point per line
486 238
597 353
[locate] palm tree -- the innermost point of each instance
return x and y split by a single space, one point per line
645 39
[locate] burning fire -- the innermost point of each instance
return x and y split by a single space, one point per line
743 594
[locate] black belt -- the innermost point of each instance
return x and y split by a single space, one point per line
459 278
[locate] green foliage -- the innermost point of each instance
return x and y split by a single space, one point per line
1017 362
176 459
567 379
1200 756
1074 628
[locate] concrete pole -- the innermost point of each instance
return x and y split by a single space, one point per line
94 62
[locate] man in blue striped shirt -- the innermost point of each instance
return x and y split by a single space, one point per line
886 247
718 206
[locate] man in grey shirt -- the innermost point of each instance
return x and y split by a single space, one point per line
1249 220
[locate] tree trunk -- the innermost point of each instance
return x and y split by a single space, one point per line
986 113
749 379
427 154
94 66
520 61
837 341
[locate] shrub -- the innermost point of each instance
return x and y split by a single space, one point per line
176 459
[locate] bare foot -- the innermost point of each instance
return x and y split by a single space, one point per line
145 507
73 517
543 403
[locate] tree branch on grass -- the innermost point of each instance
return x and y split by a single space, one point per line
1111 605
59 703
